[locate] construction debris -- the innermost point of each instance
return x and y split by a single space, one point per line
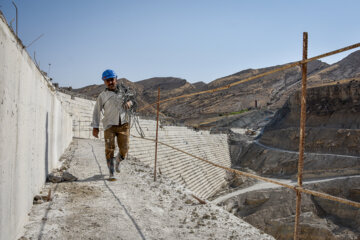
61 177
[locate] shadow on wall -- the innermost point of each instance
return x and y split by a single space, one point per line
47 145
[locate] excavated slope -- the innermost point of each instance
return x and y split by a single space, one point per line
332 135
273 210
333 121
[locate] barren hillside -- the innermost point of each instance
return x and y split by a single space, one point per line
269 92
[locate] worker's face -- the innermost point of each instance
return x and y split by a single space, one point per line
111 83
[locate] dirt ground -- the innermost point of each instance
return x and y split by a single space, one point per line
133 207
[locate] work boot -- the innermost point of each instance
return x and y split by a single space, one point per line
110 163
119 158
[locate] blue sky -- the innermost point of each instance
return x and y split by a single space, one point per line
198 40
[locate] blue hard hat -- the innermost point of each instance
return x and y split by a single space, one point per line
108 73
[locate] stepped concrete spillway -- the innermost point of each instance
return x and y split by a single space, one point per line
200 177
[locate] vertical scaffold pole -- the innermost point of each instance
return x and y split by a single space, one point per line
302 136
157 131
16 9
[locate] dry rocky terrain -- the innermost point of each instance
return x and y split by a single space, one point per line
267 142
270 92
332 135
273 210
331 152
133 207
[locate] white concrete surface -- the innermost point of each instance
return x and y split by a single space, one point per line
38 124
81 111
35 130
133 207
200 177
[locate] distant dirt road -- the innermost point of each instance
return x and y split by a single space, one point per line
306 153
267 185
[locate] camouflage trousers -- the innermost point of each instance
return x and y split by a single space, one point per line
121 133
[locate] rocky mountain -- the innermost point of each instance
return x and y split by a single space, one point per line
333 120
269 92
348 67
332 135
266 91
199 85
169 87
165 83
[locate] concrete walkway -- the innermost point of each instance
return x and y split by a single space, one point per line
133 207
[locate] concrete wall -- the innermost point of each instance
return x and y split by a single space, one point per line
81 110
35 130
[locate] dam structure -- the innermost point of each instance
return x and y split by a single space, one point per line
201 178
39 123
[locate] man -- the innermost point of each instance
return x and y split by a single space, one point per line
114 104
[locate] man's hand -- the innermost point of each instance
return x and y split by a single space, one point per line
96 132
128 104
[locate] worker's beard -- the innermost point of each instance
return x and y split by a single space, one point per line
111 86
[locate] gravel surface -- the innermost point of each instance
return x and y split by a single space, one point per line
133 207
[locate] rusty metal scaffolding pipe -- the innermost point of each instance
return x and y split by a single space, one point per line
238 172
302 137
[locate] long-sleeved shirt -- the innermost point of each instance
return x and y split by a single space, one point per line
112 104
